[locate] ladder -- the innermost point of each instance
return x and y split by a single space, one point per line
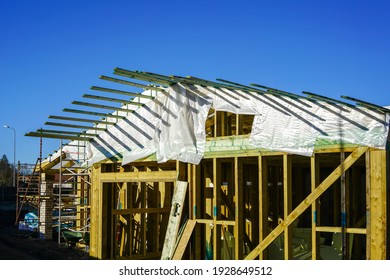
29 194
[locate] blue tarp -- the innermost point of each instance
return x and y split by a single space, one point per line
31 219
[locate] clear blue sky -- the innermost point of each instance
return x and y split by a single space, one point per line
51 52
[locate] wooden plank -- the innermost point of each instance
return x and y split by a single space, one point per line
378 213
132 230
182 245
210 221
143 217
174 220
239 124
208 211
95 216
239 210
197 211
287 198
140 210
216 208
368 207
343 207
352 158
263 201
216 125
315 174
339 230
145 176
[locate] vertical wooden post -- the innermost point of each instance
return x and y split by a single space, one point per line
191 190
239 124
343 211
191 199
216 209
132 229
220 121
196 181
143 193
239 209
96 212
378 213
368 206
216 124
209 204
315 180
287 198
263 201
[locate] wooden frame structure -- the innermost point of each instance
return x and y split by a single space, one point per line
248 204
242 202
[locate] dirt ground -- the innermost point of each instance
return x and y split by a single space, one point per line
25 245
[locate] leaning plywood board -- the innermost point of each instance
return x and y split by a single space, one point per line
181 247
174 220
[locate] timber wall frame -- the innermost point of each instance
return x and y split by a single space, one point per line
230 197
247 203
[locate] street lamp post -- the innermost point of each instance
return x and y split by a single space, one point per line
14 169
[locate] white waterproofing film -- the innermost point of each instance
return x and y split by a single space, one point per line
173 125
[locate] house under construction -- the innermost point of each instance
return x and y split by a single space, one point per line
188 168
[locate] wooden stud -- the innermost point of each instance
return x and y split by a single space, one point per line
263 201
143 218
96 225
239 124
339 229
287 198
216 126
343 207
378 211
315 176
216 208
368 206
209 203
197 198
239 209
151 176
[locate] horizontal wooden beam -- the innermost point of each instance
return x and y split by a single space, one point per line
146 176
140 210
218 222
338 229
